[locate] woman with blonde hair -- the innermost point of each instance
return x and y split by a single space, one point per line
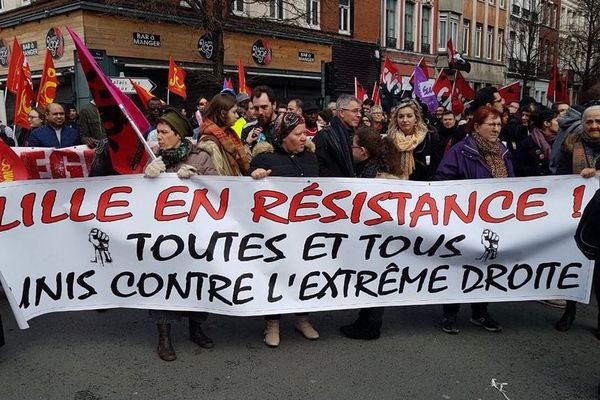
415 141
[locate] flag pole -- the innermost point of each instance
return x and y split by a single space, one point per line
137 131
168 92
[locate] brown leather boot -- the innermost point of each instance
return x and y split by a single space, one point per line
165 348
272 333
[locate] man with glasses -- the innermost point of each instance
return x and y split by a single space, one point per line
334 143
488 96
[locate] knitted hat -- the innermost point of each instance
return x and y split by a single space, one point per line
285 124
177 122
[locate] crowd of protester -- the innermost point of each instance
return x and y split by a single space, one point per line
255 135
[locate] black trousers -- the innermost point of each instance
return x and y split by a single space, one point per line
276 317
477 309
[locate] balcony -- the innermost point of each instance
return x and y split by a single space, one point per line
516 10
526 13
425 48
391 42
409 45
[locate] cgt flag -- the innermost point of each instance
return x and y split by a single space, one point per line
47 89
17 58
12 167
25 96
122 120
176 79
442 86
462 90
390 77
510 92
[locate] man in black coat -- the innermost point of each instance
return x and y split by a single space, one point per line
334 143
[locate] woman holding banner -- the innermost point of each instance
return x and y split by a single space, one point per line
374 157
177 154
416 142
480 155
291 155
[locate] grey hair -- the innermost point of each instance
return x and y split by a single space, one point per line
344 100
376 109
589 109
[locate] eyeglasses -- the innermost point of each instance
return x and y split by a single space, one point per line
492 125
353 111
32 117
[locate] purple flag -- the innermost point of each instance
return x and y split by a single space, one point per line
423 89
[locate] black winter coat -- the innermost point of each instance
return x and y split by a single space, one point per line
273 157
334 150
530 159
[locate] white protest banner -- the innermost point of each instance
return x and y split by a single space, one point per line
241 247
45 163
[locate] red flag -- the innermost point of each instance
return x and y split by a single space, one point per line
123 121
176 79
24 95
12 168
450 51
391 77
423 65
462 90
47 89
565 88
229 83
557 86
511 92
359 92
442 86
13 79
143 94
248 90
242 88
375 96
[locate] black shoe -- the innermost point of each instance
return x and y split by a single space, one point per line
165 347
486 322
197 335
449 325
565 322
361 331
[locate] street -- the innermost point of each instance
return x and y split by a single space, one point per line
90 355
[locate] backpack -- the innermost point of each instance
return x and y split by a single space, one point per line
587 234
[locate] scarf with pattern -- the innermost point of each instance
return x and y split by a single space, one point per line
586 153
492 156
175 155
406 144
231 144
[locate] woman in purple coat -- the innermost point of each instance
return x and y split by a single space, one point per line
478 156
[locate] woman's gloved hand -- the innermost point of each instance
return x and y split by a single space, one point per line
186 171
155 167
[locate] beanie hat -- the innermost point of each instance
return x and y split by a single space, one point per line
285 124
177 122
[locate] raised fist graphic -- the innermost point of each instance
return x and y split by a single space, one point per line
489 240
100 240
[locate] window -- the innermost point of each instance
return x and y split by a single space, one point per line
489 43
466 37
442 32
345 16
276 9
312 12
454 29
390 23
502 4
492 2
426 31
237 6
500 45
478 37
409 40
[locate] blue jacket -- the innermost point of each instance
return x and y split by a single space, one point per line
463 161
45 136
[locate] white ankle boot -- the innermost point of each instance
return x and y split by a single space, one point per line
272 333
305 328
